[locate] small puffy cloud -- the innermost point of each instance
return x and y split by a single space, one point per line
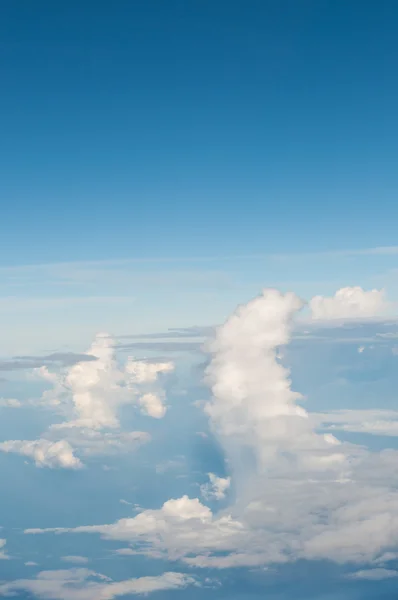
145 371
349 303
152 406
122 501
3 554
374 574
10 403
84 584
44 453
78 560
126 552
216 488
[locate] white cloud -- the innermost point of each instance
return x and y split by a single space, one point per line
174 520
10 403
216 488
146 372
376 422
254 411
78 560
3 554
125 552
44 453
89 393
91 442
152 406
349 303
374 574
83 584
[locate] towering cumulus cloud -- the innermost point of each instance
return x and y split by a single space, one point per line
254 411
250 387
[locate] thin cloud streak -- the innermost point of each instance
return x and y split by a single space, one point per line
378 250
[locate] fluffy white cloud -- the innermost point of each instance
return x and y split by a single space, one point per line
83 584
44 452
165 531
146 372
254 411
349 303
89 393
152 406
216 488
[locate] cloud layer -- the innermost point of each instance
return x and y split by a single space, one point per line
286 487
298 493
84 584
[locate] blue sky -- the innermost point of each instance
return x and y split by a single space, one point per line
196 129
167 427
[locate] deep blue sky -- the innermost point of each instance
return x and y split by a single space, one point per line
153 128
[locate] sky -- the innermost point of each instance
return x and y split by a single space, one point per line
198 299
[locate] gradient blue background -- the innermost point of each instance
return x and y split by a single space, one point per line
153 128
160 162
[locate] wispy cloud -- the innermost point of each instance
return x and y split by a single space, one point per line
162 346
15 303
374 251
82 583
180 332
109 263
57 359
